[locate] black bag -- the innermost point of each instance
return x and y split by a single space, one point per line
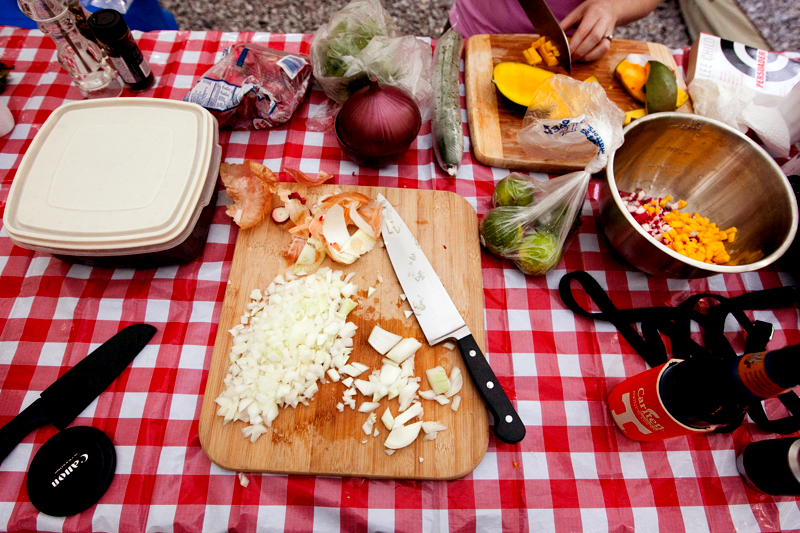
675 323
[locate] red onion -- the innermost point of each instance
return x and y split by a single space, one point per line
377 124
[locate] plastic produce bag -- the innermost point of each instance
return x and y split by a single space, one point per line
576 117
532 222
360 41
253 87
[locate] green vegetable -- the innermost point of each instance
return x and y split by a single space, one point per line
514 189
448 145
537 253
501 229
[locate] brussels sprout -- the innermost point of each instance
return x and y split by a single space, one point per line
513 190
500 229
537 253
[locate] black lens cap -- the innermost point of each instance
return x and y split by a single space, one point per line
71 471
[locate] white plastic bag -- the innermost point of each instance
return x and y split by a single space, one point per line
566 116
573 117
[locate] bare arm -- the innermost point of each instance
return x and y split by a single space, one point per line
595 19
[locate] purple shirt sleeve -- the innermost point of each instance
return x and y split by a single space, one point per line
473 17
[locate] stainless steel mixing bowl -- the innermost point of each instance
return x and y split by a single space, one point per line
721 173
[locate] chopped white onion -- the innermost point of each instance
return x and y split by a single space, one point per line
370 422
433 427
437 377
428 394
456 403
383 341
368 407
402 436
456 381
414 411
442 399
449 345
290 337
404 349
387 419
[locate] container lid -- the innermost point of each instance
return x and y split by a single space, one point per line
118 174
71 471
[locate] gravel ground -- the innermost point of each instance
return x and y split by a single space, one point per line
414 17
778 20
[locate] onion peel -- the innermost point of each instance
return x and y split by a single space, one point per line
304 179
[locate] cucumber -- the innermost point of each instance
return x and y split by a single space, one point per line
446 127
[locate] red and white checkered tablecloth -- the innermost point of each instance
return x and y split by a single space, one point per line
574 471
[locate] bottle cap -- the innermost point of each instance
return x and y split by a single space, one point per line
107 25
71 471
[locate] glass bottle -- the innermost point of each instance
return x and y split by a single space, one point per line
81 58
115 38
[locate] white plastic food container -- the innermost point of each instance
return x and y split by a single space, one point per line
122 182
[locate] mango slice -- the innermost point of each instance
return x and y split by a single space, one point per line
518 82
633 114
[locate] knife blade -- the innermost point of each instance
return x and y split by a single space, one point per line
70 394
546 24
440 320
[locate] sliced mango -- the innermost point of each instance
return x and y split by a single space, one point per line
632 73
518 82
542 50
640 72
633 114
592 78
532 56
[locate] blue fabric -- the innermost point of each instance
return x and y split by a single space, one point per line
143 15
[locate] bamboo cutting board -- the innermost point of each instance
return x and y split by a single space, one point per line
317 439
494 120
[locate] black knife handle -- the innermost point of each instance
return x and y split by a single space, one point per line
508 426
11 434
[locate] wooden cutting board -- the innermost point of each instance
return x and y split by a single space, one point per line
317 439
494 120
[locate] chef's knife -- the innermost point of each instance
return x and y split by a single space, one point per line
440 320
64 400
546 24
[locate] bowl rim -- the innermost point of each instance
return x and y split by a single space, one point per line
721 269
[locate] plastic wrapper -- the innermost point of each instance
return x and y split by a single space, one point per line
533 236
532 222
576 117
361 41
253 87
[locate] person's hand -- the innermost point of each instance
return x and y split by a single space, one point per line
595 20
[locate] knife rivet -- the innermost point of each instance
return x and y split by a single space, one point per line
509 418
489 385
473 353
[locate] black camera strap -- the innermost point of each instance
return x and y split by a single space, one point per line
675 323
